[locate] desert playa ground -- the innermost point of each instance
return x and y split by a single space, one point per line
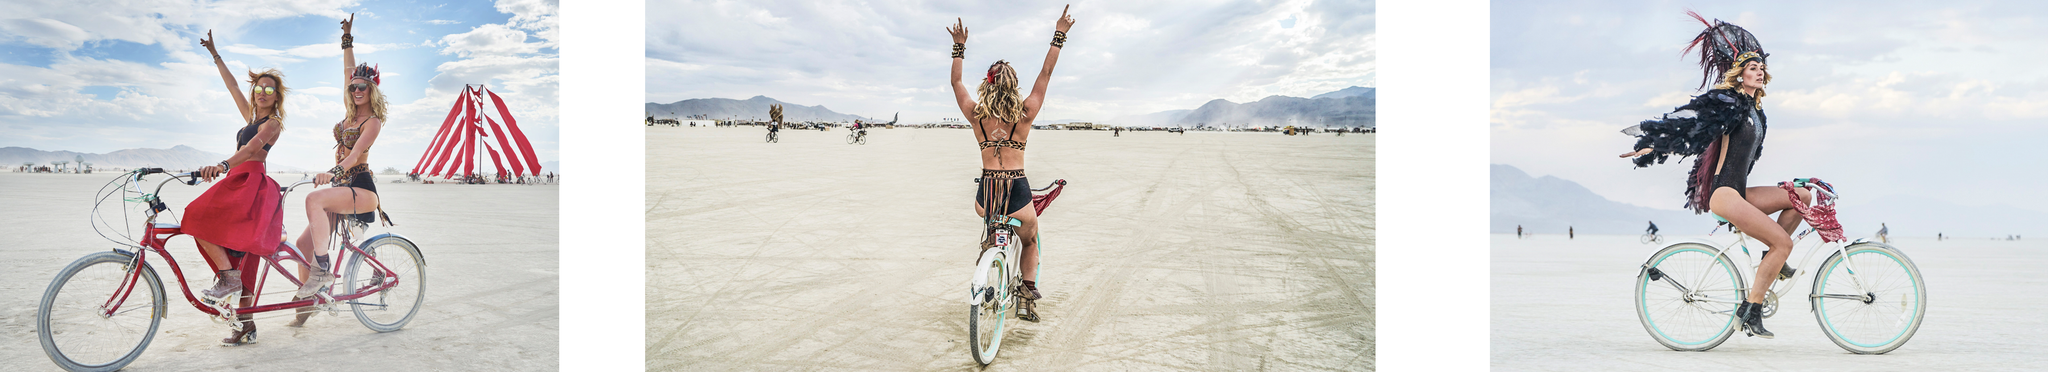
1203 251
1566 305
491 298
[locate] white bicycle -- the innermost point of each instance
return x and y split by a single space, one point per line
1868 297
990 301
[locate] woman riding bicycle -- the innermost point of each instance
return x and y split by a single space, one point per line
243 211
354 191
1002 124
1724 129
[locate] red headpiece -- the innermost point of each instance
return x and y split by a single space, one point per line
365 72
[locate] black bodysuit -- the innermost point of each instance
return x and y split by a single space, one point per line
1695 129
1745 141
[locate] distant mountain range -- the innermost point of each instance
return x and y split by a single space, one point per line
1548 205
752 108
1349 107
179 157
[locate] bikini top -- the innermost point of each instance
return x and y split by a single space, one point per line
248 133
1005 142
345 140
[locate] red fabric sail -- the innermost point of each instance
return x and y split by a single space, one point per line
516 167
524 147
440 136
494 160
462 141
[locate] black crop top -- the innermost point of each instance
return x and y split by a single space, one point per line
249 133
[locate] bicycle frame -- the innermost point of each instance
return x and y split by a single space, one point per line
156 235
1007 244
1773 293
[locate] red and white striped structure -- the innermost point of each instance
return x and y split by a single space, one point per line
469 133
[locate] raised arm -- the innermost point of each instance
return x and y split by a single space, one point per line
348 53
1052 57
960 92
234 89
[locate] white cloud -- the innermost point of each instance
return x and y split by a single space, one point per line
1889 98
183 100
443 22
1121 58
488 40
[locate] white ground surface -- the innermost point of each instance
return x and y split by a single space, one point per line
1204 251
491 298
1565 305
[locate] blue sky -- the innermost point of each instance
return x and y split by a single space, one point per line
93 77
1899 102
874 58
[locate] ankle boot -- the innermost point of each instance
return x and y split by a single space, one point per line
244 336
228 282
304 312
1753 320
318 280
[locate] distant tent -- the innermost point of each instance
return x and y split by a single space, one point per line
468 132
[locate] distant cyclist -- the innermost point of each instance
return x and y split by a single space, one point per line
1653 228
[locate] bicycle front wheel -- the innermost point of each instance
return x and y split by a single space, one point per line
390 309
986 317
1869 298
70 323
1686 296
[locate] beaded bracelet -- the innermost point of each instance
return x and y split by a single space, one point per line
1059 39
348 41
959 50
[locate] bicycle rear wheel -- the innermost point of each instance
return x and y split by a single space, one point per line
69 323
390 309
1686 296
1869 300
986 317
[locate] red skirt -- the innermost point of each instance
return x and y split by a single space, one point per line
242 211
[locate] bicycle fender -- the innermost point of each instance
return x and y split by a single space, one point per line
373 241
980 279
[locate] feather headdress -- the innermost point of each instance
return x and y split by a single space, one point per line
1723 46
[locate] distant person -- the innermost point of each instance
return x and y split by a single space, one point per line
1653 228
1518 231
1002 123
1884 233
1569 234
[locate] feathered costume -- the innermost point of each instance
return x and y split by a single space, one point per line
1696 129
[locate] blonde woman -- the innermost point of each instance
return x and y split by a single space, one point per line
354 191
242 212
1724 128
1002 124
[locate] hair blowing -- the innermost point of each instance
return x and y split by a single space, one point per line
1733 78
275 76
999 99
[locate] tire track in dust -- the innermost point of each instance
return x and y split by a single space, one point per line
1293 230
1103 293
